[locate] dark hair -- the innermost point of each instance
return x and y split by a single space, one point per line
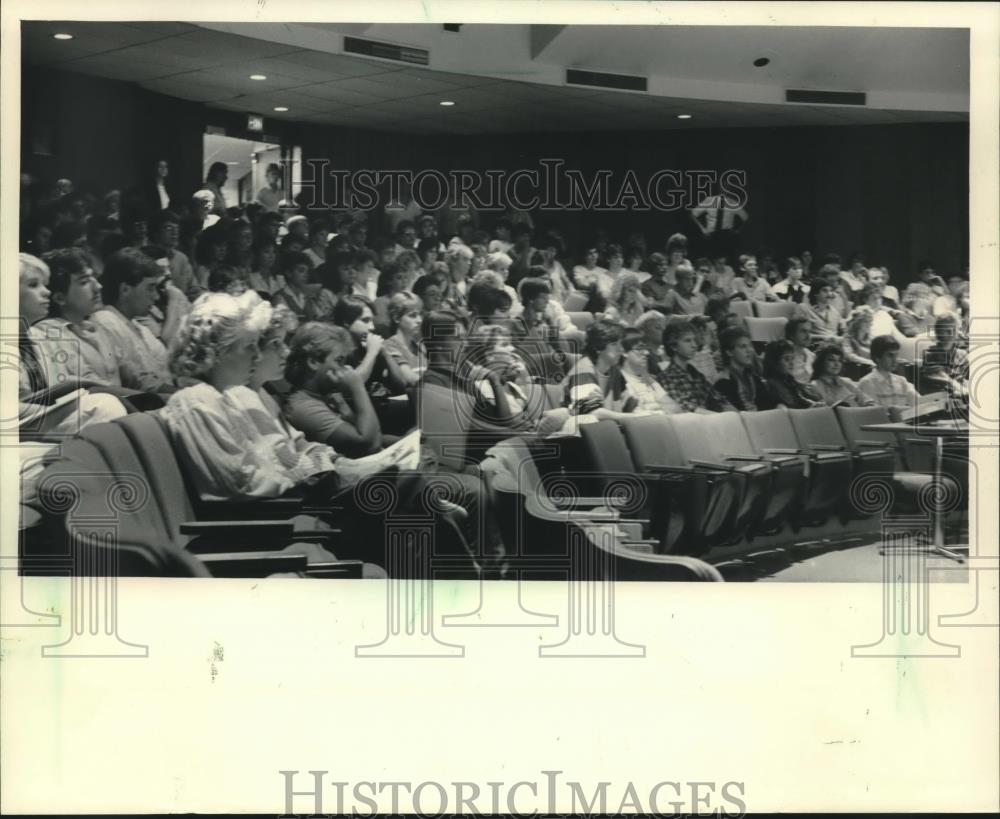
744 258
717 307
318 224
793 324
215 168
423 282
438 328
533 286
64 263
126 266
290 259
503 222
207 239
880 345
632 337
311 341
553 240
484 299
728 339
599 335
110 243
772 358
67 233
220 278
817 286
425 245
792 261
349 309
824 354
613 250
870 289
675 329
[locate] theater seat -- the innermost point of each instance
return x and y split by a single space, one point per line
765 330
741 307
580 318
155 530
667 495
772 483
774 309
827 473
817 429
716 491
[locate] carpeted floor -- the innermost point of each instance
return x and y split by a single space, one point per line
848 561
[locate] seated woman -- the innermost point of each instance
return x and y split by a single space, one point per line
395 279
379 371
825 319
308 298
830 385
432 289
651 324
883 323
38 381
914 317
264 277
592 279
211 249
626 302
640 383
882 384
856 343
779 366
741 383
945 365
236 449
404 346
595 385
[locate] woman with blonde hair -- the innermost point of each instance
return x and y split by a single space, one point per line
626 303
858 338
237 449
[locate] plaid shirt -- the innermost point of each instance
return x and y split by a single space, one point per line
691 389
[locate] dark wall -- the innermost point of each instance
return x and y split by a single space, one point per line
898 193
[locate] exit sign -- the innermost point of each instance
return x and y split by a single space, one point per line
255 122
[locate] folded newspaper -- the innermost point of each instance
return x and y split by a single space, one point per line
405 454
925 405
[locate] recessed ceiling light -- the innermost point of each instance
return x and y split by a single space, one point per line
683 116
760 62
446 103
258 77
232 163
62 36
280 108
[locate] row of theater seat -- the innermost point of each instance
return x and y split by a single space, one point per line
717 484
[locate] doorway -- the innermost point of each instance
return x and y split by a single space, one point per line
247 161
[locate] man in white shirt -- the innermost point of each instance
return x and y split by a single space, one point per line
218 173
885 388
131 284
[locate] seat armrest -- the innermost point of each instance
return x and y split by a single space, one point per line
272 529
687 470
712 465
828 447
878 444
782 451
235 564
340 568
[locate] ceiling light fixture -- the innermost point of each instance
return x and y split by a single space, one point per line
280 108
258 77
62 36
683 116
760 62
446 103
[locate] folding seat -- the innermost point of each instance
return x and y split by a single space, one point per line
453 430
742 308
110 524
606 555
136 448
667 495
914 456
827 473
765 330
716 493
580 318
772 483
817 429
576 301
774 309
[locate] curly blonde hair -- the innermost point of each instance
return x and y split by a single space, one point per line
860 316
626 279
212 327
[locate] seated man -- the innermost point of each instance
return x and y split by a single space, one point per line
945 364
792 288
683 300
748 285
882 385
131 285
682 381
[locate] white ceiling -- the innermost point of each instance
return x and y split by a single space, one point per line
702 71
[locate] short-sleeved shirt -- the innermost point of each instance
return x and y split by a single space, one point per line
317 416
757 291
887 389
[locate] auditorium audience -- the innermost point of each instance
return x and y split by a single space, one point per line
596 385
748 285
825 319
792 288
404 346
787 391
681 379
626 302
742 384
639 381
131 286
882 384
797 332
832 388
